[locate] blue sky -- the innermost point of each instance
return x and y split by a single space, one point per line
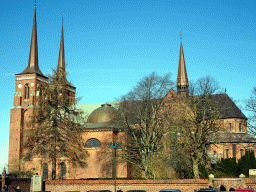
111 44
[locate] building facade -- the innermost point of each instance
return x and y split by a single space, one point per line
100 127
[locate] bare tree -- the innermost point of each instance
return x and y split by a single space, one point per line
144 126
251 107
54 130
196 121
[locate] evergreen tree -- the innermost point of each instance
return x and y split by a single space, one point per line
54 130
247 162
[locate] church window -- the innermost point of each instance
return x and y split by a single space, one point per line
45 171
240 128
26 92
92 143
227 153
63 170
230 127
234 150
44 150
241 152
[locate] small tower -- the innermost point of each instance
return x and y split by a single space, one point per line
24 99
182 79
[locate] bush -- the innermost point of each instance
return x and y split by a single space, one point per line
247 162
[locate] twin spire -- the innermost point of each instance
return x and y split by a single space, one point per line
33 54
182 78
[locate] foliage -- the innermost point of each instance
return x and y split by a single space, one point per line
247 162
54 130
251 107
140 112
227 166
196 121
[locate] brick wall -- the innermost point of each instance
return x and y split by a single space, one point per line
188 185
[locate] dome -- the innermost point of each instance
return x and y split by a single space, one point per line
104 114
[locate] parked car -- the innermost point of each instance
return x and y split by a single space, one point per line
136 191
170 190
100 191
245 190
207 190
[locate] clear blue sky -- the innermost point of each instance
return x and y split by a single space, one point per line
111 44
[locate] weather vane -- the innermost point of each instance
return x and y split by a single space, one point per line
63 16
180 36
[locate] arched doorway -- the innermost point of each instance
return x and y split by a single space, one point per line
222 188
231 189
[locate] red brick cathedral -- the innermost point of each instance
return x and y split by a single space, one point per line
100 126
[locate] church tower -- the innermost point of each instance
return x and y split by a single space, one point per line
26 84
182 79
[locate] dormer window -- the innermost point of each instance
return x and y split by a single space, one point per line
26 91
240 127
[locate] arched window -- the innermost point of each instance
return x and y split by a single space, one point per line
45 171
63 170
230 127
44 150
92 143
26 96
240 128
241 152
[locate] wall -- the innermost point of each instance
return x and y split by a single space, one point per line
188 185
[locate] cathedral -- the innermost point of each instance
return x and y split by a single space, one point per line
100 126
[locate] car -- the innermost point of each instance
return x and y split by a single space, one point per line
100 191
245 190
170 190
136 191
207 190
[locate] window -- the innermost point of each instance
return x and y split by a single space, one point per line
234 150
63 150
226 153
45 171
44 150
241 152
92 143
240 128
214 153
26 91
63 170
230 127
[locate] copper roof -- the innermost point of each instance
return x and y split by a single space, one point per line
104 114
61 61
182 78
33 53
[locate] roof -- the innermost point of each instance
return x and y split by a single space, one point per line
228 137
228 109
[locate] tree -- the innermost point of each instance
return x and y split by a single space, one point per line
54 130
196 121
251 107
144 126
247 162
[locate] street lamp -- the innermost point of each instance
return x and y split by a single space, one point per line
115 146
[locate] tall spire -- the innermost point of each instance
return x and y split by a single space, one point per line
61 61
182 79
33 53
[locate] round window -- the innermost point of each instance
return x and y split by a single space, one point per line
92 143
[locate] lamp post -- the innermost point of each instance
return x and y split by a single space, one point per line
115 146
